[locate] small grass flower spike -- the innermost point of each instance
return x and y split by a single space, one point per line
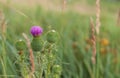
36 31
36 43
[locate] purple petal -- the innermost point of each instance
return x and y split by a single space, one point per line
36 31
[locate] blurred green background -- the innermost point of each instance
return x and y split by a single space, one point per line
72 23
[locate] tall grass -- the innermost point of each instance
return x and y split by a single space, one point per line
73 49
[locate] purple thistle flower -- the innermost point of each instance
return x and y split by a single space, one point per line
36 31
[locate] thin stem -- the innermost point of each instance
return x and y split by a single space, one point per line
31 54
64 2
97 61
4 70
4 58
39 61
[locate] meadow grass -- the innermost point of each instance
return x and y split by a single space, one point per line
73 49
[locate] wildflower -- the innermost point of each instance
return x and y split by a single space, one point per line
36 43
52 36
103 51
36 31
104 42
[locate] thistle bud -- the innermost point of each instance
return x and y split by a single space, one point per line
20 45
52 36
57 69
37 44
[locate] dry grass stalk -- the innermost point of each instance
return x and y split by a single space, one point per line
98 16
93 40
3 24
64 2
118 20
1 16
31 54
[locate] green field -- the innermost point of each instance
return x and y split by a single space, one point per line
73 25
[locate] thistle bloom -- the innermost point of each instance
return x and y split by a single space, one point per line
36 31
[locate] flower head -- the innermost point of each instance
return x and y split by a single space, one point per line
104 42
36 31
